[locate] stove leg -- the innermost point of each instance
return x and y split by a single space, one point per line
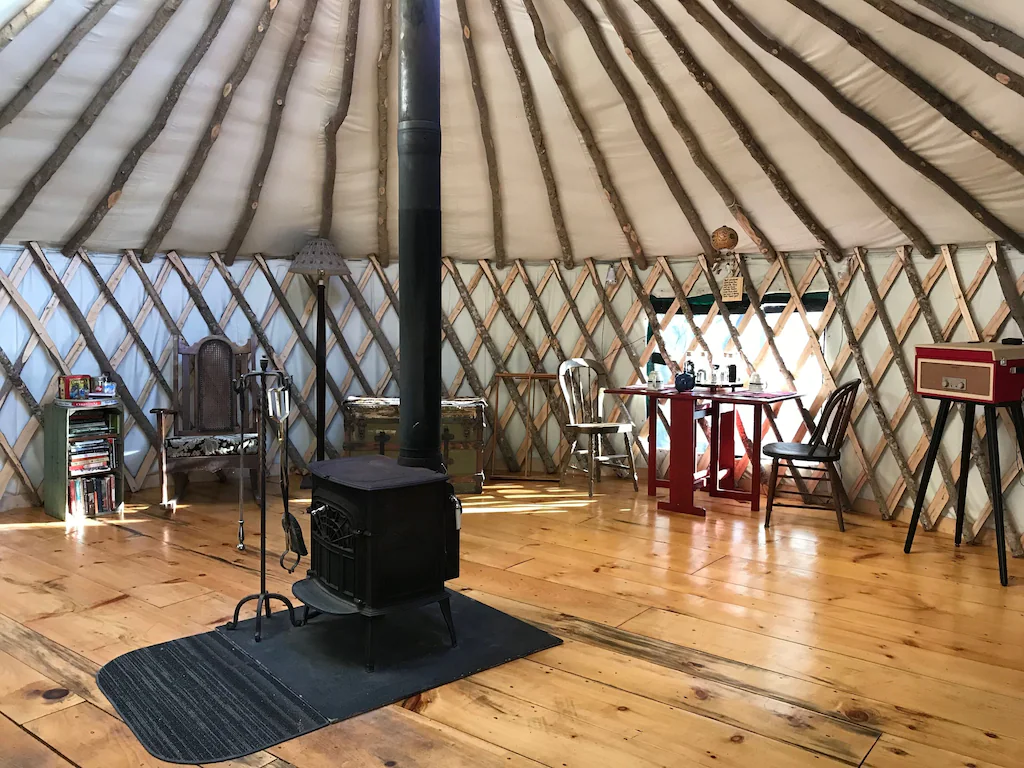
368 642
446 611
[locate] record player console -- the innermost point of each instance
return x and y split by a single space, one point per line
987 373
982 372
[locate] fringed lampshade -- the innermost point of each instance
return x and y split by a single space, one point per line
319 256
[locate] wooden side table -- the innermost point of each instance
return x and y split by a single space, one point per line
531 377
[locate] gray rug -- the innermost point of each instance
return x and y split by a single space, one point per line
220 695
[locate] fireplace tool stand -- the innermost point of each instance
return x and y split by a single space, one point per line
263 597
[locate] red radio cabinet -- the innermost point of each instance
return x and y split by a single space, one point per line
981 372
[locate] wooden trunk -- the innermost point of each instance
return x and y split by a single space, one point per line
371 426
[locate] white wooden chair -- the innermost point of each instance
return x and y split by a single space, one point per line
580 379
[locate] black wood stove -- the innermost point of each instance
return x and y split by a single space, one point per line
384 538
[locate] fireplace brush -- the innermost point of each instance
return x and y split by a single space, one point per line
279 406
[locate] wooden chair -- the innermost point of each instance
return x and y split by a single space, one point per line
578 379
205 414
823 448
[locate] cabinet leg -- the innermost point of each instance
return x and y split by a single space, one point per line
965 467
991 427
926 472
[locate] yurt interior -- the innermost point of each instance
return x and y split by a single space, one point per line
521 383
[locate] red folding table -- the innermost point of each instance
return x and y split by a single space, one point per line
685 409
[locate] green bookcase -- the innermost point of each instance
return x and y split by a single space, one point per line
58 440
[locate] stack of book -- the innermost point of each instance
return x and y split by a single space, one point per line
88 457
91 496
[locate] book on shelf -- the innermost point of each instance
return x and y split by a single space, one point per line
91 496
86 402
91 456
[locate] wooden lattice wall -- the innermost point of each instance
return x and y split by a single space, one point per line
92 313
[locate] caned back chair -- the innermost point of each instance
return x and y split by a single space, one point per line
823 448
208 423
580 380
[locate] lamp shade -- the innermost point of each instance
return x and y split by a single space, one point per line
317 256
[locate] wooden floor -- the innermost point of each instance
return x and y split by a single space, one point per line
687 642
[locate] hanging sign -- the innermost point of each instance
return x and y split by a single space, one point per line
732 288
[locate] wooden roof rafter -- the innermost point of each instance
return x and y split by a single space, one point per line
536 129
944 37
486 134
99 100
635 52
29 11
910 79
42 76
585 132
790 105
213 128
983 28
869 122
643 128
124 171
337 119
259 173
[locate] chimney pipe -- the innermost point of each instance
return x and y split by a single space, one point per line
419 231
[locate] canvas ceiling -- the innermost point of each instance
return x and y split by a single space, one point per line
289 207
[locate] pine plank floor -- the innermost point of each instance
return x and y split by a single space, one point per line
687 642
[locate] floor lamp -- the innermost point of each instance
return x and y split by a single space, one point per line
320 259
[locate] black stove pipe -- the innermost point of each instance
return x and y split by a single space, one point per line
419 231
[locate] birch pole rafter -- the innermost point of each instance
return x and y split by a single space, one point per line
383 138
867 121
790 105
587 135
22 19
486 134
49 68
944 37
910 79
536 130
212 131
17 208
640 123
337 119
114 190
635 53
983 28
273 126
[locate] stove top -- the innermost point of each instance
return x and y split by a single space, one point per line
373 473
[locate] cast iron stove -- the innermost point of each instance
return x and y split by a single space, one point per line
385 537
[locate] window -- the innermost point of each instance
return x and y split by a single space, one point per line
791 340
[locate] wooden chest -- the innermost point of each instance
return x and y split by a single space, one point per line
371 426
